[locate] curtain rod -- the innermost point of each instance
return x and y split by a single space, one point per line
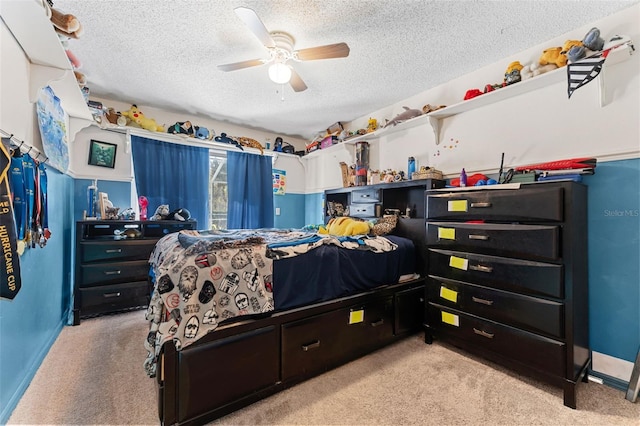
24 147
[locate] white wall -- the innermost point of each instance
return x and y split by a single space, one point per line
539 126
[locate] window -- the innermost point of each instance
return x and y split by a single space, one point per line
218 189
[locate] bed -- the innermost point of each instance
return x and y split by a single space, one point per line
237 316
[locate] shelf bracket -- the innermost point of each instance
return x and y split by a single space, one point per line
40 76
435 125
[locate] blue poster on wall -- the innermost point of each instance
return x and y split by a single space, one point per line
279 182
52 120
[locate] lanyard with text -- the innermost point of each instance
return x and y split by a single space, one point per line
10 281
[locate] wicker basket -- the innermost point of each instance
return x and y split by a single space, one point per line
427 174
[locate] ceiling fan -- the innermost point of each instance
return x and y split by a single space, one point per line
281 52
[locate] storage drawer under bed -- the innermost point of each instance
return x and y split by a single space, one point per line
321 342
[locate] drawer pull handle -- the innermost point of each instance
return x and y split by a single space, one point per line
113 250
117 294
481 205
366 196
112 272
481 268
377 323
483 333
482 301
479 237
309 346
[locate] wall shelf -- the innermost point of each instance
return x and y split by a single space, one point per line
434 119
49 66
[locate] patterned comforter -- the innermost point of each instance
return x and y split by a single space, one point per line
205 277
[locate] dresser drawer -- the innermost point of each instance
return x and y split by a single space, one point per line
111 273
115 297
362 210
158 229
537 204
531 313
93 251
522 276
522 346
365 196
318 343
526 241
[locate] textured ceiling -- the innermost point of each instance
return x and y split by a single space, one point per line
165 54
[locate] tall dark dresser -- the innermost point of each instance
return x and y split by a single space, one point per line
112 263
508 277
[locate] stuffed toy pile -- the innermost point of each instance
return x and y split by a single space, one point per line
346 226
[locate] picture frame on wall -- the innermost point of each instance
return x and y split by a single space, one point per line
102 154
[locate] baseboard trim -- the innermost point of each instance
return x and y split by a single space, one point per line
613 382
5 414
610 366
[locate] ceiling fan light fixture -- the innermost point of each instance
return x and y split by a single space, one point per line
279 73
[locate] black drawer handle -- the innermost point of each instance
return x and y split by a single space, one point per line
112 272
483 333
117 294
113 250
482 301
481 268
481 205
377 323
365 196
309 346
479 237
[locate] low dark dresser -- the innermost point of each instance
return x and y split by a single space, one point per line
112 263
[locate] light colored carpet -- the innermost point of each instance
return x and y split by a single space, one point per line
93 375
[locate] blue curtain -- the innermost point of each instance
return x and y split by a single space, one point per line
249 191
173 174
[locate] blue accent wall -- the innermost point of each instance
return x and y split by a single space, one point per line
292 211
33 320
314 208
614 258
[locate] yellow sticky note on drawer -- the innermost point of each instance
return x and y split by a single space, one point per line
452 319
450 295
458 263
356 316
446 233
457 206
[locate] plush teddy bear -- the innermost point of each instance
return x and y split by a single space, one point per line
136 116
65 24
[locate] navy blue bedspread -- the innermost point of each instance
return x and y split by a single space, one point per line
337 272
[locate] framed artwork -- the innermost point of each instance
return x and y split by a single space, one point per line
102 154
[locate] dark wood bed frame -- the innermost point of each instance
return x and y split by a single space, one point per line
245 361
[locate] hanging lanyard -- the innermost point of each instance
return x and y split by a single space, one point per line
10 281
18 193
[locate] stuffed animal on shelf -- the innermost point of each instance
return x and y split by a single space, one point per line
136 116
533 69
65 24
226 139
179 214
203 133
251 143
181 128
161 213
512 74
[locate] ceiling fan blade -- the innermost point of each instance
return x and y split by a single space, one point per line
338 50
240 65
251 20
296 82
